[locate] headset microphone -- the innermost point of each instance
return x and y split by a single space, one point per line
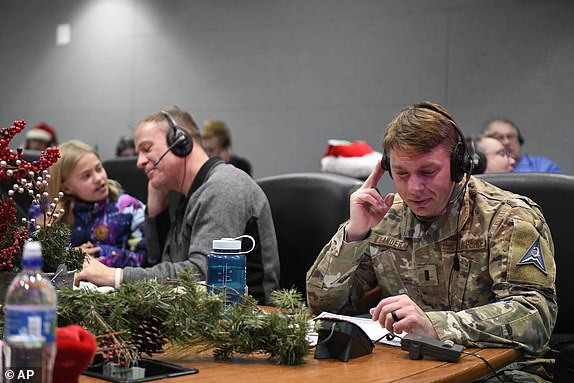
177 141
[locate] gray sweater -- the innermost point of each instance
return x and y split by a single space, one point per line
223 201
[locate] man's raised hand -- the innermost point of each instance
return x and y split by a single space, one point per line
367 207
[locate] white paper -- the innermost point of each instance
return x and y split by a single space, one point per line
372 328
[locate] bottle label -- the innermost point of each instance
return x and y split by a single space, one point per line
30 321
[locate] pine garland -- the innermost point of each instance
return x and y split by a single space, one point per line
151 314
55 241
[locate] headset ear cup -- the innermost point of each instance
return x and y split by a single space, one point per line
459 162
520 138
386 163
185 144
479 162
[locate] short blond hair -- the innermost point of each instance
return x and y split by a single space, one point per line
216 128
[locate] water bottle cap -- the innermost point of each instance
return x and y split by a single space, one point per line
32 249
32 255
227 244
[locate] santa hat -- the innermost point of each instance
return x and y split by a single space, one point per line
354 159
43 132
76 348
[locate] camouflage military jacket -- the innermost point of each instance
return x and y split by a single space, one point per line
501 291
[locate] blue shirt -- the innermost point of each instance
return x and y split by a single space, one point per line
529 163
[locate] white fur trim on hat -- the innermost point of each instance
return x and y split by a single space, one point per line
357 167
39 134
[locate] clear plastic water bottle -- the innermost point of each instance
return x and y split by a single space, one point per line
226 268
30 320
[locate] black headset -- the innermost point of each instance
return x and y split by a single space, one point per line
179 141
520 138
460 161
478 158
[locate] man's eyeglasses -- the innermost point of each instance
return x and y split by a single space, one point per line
500 152
502 137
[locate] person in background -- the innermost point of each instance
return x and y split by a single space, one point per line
216 141
449 257
508 133
491 156
105 223
217 200
40 137
125 147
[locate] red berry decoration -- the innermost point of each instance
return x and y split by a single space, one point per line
18 176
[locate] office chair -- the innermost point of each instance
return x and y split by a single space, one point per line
125 171
553 192
307 209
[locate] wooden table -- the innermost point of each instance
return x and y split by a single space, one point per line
385 364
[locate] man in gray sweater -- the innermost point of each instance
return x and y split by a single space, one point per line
218 200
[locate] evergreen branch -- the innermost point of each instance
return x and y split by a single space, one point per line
55 241
153 314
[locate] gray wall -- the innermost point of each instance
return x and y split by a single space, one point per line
288 75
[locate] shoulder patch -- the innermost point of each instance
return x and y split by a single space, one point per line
531 256
534 257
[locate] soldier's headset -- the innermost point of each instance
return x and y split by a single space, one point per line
460 160
179 141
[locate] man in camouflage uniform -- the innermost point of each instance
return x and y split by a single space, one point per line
455 258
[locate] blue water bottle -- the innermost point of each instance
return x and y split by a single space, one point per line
226 268
30 321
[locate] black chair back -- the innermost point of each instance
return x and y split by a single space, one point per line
125 171
554 193
307 209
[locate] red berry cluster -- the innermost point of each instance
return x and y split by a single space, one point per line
114 349
7 254
110 350
12 163
18 175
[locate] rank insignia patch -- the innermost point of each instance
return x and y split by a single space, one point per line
533 257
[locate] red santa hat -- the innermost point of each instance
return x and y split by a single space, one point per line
350 158
344 148
76 349
43 132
